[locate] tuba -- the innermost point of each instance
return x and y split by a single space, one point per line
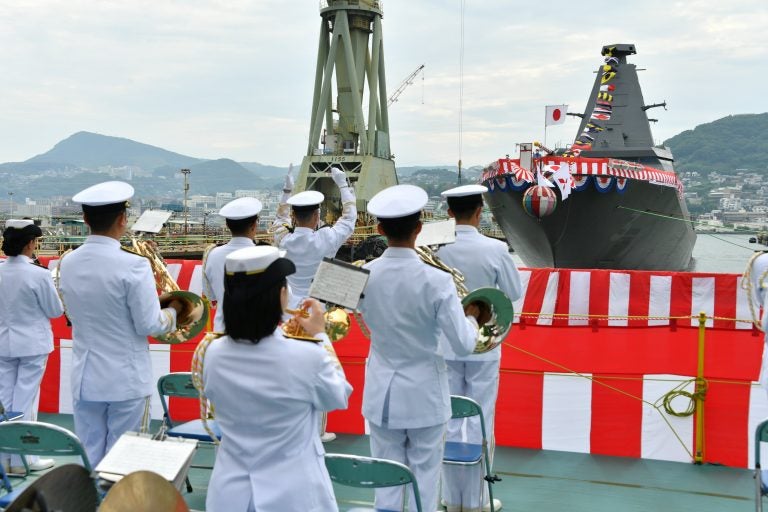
336 324
196 307
491 334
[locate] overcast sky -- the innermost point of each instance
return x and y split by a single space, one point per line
234 78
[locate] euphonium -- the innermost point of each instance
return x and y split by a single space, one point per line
196 307
491 334
336 324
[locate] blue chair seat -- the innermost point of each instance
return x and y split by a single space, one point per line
7 499
462 452
11 416
194 430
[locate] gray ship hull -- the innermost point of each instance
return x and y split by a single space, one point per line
591 229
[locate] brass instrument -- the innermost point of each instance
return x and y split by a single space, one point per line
491 334
336 324
196 307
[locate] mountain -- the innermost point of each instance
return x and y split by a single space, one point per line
733 142
211 176
92 150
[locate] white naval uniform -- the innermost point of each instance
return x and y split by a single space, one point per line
28 300
111 300
267 398
307 247
407 305
759 296
213 275
485 262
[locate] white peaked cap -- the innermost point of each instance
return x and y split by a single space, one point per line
109 192
252 260
397 201
241 208
465 190
306 198
18 223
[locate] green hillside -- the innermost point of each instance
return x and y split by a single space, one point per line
733 142
91 150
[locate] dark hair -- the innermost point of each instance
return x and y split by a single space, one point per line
251 316
400 228
14 240
241 226
100 220
465 206
303 214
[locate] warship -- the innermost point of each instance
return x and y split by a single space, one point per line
612 200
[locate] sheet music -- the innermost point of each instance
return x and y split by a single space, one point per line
339 283
136 453
437 233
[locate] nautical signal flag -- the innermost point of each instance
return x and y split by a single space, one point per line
555 114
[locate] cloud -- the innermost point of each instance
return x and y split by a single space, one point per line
235 79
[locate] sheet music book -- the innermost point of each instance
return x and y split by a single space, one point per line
339 283
134 452
437 233
151 221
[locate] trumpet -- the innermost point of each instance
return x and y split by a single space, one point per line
195 307
336 324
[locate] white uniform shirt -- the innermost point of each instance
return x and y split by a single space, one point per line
111 300
267 398
407 305
28 300
307 247
213 273
759 267
485 262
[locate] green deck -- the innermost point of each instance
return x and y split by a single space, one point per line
548 481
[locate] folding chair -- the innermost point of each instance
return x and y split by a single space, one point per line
36 438
470 454
370 473
761 487
179 385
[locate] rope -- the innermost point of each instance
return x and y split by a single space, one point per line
656 406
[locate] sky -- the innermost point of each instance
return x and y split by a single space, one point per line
234 79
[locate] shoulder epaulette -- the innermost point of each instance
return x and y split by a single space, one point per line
131 251
261 242
38 264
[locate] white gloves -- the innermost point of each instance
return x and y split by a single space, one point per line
339 178
288 183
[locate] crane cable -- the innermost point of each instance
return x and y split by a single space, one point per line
461 85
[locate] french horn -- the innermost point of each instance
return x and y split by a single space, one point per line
492 333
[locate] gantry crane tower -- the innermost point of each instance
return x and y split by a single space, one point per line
351 50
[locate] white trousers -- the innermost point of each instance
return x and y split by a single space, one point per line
421 449
463 486
100 424
20 379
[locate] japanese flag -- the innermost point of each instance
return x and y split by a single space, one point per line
556 114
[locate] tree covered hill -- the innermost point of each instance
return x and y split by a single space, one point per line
733 142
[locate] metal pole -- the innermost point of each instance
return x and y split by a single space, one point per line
186 173
10 205
698 457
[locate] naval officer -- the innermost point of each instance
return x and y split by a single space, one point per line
270 458
242 218
484 262
407 305
28 300
305 245
111 300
